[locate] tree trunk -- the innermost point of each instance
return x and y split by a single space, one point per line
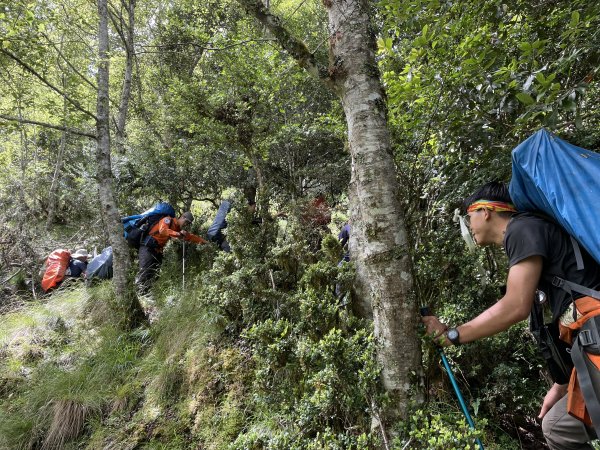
127 76
23 165
126 298
53 193
378 244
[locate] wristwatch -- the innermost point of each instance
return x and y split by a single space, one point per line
453 336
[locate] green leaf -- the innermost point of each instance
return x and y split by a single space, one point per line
525 47
540 78
569 104
574 19
525 98
388 43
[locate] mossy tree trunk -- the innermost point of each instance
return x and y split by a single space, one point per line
379 243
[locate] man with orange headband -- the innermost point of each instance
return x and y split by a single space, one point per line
538 252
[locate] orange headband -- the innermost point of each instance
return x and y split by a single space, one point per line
491 205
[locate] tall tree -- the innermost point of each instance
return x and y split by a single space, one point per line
123 287
379 242
125 28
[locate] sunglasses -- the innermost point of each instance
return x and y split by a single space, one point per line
467 218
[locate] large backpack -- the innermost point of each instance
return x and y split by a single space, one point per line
101 266
561 180
551 176
56 266
137 227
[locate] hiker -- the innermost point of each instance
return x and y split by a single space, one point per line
214 232
538 251
78 263
344 237
151 248
314 217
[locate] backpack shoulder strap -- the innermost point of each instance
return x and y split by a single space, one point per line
577 251
570 287
574 243
154 220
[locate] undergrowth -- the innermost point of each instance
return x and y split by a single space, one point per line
260 349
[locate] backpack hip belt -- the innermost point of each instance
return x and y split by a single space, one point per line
587 342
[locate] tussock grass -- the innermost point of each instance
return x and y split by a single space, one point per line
68 420
58 401
99 306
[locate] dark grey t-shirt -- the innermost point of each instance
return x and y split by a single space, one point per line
530 235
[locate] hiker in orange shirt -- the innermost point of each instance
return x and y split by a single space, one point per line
151 249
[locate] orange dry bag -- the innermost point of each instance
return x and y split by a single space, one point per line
56 265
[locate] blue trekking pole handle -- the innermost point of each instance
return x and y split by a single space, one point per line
425 312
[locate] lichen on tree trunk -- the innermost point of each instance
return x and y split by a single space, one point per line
378 241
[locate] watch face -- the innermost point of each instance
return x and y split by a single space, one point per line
452 334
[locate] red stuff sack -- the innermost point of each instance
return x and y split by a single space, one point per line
56 265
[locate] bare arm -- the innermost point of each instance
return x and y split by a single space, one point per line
515 306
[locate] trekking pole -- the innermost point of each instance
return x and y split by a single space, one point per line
425 312
183 269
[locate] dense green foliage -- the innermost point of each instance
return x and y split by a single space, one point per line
258 351
466 82
230 361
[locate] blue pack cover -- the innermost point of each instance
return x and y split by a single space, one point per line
561 180
161 208
101 265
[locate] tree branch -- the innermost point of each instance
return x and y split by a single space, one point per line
48 125
30 69
204 47
295 47
83 77
118 25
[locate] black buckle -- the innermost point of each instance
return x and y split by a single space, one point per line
585 338
558 282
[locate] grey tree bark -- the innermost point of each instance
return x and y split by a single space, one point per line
53 193
127 301
378 244
127 34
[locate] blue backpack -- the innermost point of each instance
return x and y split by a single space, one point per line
101 266
560 180
136 227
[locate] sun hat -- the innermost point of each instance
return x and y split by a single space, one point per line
80 253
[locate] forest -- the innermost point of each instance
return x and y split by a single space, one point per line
389 112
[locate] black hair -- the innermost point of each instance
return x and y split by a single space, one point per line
495 191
